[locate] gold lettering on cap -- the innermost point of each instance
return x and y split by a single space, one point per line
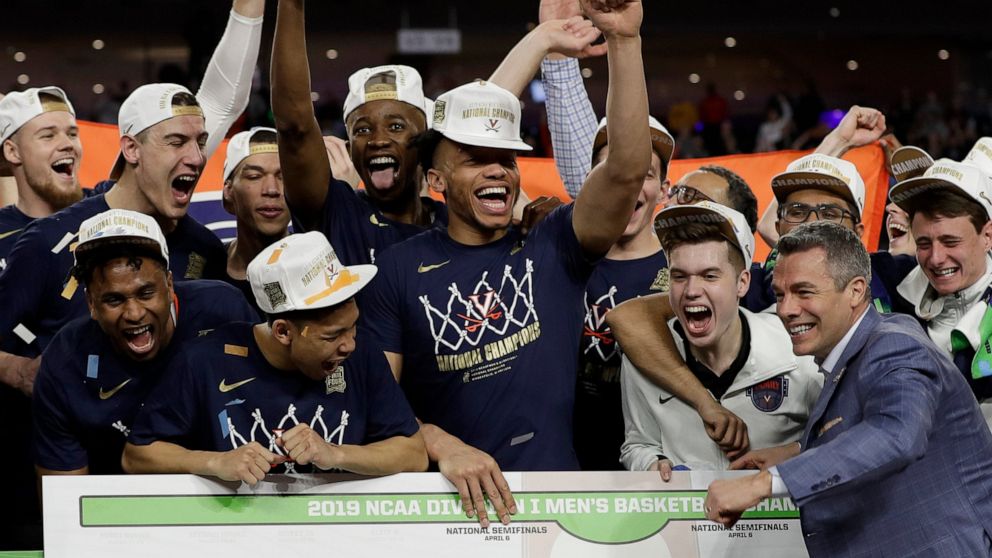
186 111
263 148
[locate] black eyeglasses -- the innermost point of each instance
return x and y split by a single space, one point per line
685 195
796 213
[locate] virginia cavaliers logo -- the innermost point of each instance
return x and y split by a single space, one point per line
493 125
767 396
486 306
599 337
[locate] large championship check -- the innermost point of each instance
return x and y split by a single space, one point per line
559 514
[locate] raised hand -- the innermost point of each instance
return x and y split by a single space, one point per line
615 18
558 9
572 37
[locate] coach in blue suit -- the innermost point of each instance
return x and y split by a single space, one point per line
896 459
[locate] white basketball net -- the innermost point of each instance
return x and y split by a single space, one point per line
289 420
599 342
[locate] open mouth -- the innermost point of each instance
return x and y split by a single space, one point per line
182 188
139 339
945 271
494 198
897 230
64 167
698 319
799 330
384 171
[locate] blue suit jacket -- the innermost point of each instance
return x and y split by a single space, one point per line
896 458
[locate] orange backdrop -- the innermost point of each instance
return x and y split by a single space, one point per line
539 176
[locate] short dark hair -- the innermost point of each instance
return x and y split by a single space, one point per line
300 317
846 253
263 137
739 193
944 203
697 233
99 255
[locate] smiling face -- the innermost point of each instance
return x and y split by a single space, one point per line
950 251
318 347
46 154
705 290
898 228
131 298
480 185
254 195
380 134
816 314
169 159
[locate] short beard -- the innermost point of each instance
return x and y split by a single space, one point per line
54 196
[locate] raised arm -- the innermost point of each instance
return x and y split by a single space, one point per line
860 126
607 200
572 121
571 37
226 85
301 148
640 326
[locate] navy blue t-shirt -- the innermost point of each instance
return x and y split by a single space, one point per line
221 393
599 428
489 336
86 395
37 294
358 231
12 222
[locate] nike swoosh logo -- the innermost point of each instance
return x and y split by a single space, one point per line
113 392
225 387
8 233
664 400
375 221
425 268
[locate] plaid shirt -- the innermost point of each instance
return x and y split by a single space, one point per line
571 120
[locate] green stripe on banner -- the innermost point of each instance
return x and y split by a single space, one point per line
604 517
22 554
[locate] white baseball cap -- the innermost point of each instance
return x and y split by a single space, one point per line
981 155
821 172
661 139
19 107
145 107
909 162
240 148
963 179
481 114
392 82
120 226
731 222
302 272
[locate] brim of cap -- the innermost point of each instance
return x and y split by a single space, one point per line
907 189
365 274
666 150
118 169
810 180
468 139
82 249
725 225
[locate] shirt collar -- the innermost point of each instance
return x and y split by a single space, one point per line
831 361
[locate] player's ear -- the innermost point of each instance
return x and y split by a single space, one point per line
436 181
282 331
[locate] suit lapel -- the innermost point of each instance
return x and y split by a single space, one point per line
831 381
